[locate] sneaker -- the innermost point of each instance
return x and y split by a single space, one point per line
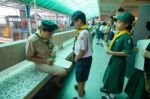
76 87
108 97
105 97
97 43
104 90
112 96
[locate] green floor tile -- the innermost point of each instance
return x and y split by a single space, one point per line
99 64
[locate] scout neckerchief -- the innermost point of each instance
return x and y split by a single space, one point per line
45 41
82 28
117 36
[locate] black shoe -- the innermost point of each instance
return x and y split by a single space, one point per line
76 88
97 43
108 97
104 90
105 97
75 97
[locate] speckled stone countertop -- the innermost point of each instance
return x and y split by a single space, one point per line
19 83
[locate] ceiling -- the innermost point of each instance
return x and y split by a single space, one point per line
91 8
108 7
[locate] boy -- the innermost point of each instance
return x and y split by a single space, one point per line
83 52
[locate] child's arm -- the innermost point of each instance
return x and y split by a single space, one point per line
147 54
80 55
127 48
116 53
135 49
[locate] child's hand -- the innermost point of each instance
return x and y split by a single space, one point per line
53 54
50 61
147 54
135 49
109 52
75 59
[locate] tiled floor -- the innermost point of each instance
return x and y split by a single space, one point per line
100 61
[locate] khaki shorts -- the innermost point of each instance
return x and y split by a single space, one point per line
106 37
51 69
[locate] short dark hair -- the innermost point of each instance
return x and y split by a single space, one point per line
104 23
78 15
82 18
129 27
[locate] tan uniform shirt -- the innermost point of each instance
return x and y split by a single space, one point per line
38 48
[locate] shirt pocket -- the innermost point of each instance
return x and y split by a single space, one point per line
42 49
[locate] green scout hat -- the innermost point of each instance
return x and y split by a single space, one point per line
49 25
77 15
126 17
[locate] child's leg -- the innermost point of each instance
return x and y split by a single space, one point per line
81 89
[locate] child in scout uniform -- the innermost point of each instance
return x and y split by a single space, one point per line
101 33
139 82
83 52
107 31
39 49
120 48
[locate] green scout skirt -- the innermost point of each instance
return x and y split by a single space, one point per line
113 79
135 87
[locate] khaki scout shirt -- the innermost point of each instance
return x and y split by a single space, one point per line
37 47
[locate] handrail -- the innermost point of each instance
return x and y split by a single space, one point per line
14 52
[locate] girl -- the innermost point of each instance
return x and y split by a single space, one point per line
120 48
